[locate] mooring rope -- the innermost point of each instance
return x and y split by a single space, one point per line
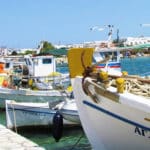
77 142
136 87
14 116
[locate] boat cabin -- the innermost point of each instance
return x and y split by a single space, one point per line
40 65
113 66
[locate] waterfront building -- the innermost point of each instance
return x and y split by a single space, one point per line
131 41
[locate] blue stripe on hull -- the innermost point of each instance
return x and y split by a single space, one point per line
115 115
31 111
110 64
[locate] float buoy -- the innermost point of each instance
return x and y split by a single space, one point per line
57 127
5 83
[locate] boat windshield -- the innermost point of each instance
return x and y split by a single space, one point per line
99 56
112 55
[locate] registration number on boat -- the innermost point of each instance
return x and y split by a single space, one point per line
142 132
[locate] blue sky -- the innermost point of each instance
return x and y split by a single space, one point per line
24 23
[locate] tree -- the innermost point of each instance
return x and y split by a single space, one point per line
119 42
29 52
46 46
14 53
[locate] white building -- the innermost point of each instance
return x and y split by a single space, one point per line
3 51
130 41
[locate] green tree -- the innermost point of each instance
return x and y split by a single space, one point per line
119 42
14 53
46 46
29 52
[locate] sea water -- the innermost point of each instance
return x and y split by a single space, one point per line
74 138
136 66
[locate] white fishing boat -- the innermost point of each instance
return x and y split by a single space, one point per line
37 81
22 114
114 110
69 108
29 95
113 65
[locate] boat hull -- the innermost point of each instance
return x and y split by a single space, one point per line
69 111
26 95
19 115
111 125
70 115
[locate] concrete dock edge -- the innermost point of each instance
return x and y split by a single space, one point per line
10 140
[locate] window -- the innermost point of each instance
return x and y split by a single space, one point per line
47 61
7 65
27 61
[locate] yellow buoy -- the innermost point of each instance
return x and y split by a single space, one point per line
1 79
54 74
69 89
30 82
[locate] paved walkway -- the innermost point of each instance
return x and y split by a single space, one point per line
9 140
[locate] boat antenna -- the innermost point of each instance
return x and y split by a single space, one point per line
110 27
110 34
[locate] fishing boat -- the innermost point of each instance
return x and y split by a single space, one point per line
31 114
114 110
69 109
113 65
34 81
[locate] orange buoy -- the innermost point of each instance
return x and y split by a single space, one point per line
5 83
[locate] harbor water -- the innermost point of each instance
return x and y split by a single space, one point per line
74 138
136 66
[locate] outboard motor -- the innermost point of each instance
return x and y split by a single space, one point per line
57 127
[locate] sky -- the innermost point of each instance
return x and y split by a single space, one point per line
24 23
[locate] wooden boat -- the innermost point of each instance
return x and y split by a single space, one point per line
69 108
23 114
114 109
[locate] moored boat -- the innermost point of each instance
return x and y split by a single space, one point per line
37 81
114 109
23 114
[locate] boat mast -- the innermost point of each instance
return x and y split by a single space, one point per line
110 34
110 27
